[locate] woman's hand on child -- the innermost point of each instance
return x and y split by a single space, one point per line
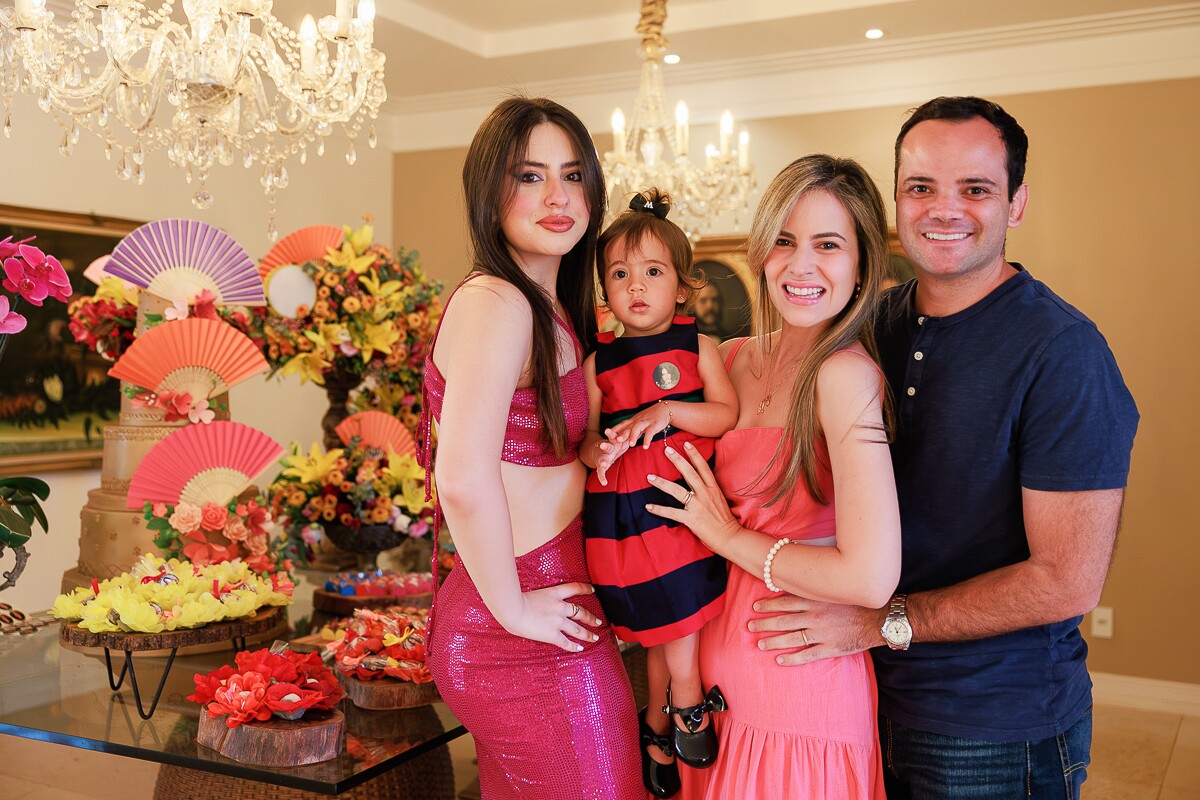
645 424
704 507
549 615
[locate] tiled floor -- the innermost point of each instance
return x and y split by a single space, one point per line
1136 755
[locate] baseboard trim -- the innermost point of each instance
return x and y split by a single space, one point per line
1147 694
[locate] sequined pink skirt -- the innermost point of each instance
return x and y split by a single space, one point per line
546 723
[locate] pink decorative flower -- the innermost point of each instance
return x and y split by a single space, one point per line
200 413
257 544
159 509
186 518
311 534
243 698
236 530
10 321
213 516
205 305
28 284
178 310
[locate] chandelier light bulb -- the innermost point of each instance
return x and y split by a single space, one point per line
726 133
681 128
618 129
366 11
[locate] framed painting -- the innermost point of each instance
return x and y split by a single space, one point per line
55 395
723 307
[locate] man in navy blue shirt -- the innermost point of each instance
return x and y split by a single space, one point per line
1011 451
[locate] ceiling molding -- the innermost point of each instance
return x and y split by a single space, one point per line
1098 50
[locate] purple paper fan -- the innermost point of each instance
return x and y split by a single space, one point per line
185 256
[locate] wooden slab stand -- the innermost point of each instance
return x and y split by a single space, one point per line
345 604
317 736
388 693
260 622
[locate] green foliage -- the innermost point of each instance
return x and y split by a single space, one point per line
20 509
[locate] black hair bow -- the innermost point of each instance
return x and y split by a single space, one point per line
642 203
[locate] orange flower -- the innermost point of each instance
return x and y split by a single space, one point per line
323 292
351 305
329 514
380 513
346 519
368 302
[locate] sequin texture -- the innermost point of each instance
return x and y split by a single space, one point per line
548 724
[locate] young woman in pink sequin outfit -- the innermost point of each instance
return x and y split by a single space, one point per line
518 644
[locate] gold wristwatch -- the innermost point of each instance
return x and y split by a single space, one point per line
896 630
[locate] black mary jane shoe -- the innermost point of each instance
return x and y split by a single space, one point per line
660 780
694 747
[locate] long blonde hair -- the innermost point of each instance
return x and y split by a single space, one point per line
849 183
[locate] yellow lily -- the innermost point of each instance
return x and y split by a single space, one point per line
313 467
370 281
309 366
362 238
377 337
348 259
116 290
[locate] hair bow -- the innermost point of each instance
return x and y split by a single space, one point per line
641 203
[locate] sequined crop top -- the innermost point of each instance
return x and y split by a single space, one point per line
522 436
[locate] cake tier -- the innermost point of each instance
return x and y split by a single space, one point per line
112 538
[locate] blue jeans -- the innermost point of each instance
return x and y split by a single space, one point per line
928 766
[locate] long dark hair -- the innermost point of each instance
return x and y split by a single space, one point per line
489 185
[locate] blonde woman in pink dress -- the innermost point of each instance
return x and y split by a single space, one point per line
802 498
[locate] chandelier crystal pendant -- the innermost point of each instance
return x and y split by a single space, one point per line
651 149
207 81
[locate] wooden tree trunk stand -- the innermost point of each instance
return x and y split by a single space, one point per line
260 622
317 736
345 604
385 693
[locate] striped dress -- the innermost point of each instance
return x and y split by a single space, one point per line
656 581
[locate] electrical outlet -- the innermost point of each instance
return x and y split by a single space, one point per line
1102 622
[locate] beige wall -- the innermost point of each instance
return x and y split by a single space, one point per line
1113 175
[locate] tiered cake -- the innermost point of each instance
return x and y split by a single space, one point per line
112 537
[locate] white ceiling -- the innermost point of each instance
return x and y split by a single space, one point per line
450 61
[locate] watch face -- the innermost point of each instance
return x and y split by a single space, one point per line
897 631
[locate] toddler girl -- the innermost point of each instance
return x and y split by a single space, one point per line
661 384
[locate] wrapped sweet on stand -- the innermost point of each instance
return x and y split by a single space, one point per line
345 592
380 658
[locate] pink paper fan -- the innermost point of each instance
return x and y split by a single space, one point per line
300 247
377 429
178 258
200 356
202 464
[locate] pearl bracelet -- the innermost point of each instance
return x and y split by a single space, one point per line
670 416
767 564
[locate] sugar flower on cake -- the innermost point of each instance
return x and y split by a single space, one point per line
212 533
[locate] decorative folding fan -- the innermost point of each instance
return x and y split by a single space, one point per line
178 258
377 429
95 271
300 246
202 464
200 356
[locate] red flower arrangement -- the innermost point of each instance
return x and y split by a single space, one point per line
378 645
265 684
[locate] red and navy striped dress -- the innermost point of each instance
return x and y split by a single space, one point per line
656 581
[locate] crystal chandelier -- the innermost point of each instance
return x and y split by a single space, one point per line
221 82
653 149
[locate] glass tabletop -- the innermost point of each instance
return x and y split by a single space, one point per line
58 694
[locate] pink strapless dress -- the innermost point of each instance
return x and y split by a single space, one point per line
802 733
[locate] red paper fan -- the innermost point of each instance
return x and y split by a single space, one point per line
300 247
377 429
201 356
202 464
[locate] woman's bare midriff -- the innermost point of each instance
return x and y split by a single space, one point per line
541 501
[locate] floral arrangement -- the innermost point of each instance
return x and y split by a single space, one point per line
350 487
212 533
380 583
157 595
266 683
382 644
32 276
374 313
105 321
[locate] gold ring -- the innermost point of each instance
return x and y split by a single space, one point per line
574 611
689 497
804 636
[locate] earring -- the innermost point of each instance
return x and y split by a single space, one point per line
857 291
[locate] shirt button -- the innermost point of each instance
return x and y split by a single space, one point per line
911 391
917 356
920 320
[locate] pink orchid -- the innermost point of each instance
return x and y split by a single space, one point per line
49 269
19 278
179 310
10 321
9 248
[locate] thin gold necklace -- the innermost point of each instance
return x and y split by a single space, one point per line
766 400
